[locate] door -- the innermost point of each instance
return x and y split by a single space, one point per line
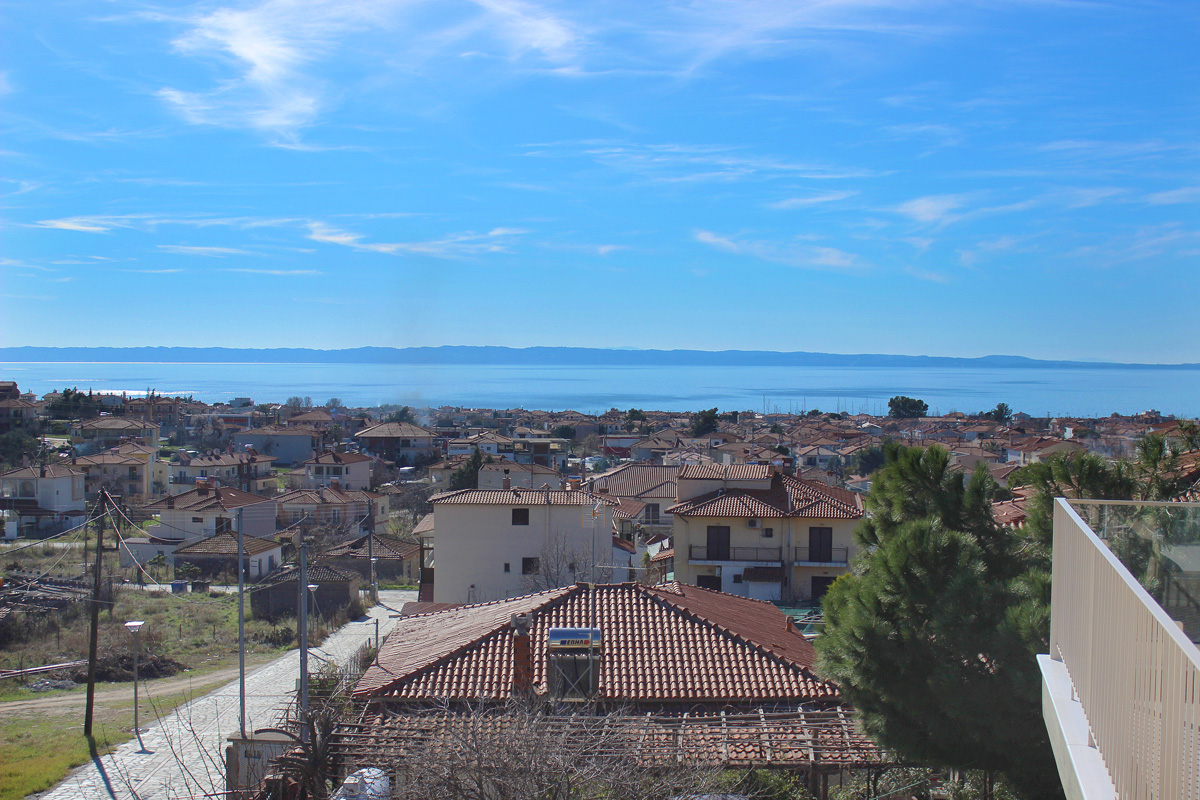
820 585
820 544
718 543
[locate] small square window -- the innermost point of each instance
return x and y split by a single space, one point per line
507 567
530 566
520 516
737 578
197 519
768 533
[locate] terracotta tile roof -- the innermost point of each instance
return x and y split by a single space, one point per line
796 736
624 544
316 415
386 548
628 509
521 497
643 481
317 573
226 460
663 644
116 424
398 430
424 526
225 544
223 498
787 497
731 472
339 458
280 430
51 471
512 466
663 555
109 458
326 496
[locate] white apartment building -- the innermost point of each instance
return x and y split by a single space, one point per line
489 544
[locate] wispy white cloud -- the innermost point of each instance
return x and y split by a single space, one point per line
455 245
674 162
790 253
279 272
1186 194
932 208
83 224
927 275
154 271
211 252
805 202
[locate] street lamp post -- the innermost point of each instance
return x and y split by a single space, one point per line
135 626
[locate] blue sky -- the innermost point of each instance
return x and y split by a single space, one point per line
949 178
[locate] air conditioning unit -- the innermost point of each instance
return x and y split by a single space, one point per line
752 523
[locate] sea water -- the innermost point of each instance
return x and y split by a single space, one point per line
1077 391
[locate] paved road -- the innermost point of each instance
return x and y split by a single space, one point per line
185 751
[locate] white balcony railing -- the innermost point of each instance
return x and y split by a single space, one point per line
1122 703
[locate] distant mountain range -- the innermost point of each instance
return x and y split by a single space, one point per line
530 356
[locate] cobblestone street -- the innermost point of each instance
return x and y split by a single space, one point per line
184 756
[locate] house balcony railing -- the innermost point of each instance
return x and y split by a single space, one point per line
818 555
701 552
1121 684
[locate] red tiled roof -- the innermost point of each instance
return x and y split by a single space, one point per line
225 544
51 471
643 481
728 472
325 496
787 497
520 497
665 554
385 547
338 458
399 430
663 644
221 498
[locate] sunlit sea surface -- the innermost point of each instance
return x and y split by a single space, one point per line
1083 391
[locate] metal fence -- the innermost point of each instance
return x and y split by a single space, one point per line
701 552
827 555
1136 675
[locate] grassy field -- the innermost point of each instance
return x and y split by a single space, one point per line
39 746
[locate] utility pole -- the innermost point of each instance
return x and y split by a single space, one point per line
241 626
371 548
93 636
302 588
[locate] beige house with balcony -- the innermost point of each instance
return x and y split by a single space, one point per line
247 470
749 530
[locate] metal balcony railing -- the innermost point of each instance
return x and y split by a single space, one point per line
701 552
822 555
1124 671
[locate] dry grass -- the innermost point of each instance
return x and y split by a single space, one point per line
40 748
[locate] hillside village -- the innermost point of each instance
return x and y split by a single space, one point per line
499 517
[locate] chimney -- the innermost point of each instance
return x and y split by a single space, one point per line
335 483
170 501
522 656
507 484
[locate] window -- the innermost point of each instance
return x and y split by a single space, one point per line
197 519
520 516
737 578
507 567
768 533
652 513
530 566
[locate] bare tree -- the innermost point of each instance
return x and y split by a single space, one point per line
562 562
